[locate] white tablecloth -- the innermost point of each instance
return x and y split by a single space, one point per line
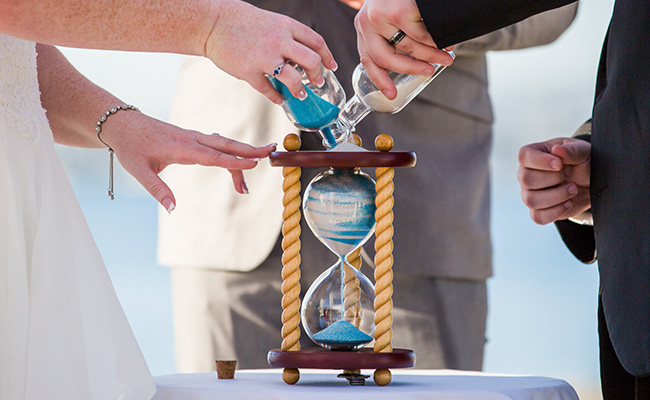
324 385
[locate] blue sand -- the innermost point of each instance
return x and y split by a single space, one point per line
327 132
312 113
342 333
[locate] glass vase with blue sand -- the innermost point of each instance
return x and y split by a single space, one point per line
339 207
319 110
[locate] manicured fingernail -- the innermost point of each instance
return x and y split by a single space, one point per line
168 204
279 101
244 188
334 66
272 145
572 189
253 159
555 164
302 95
320 81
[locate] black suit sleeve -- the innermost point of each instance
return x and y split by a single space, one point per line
453 21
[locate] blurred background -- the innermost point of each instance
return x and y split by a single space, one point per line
542 302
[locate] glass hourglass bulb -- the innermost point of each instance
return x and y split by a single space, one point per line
339 207
319 109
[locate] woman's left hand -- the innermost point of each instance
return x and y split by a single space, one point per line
145 146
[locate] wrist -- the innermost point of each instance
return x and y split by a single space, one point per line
110 122
216 17
584 218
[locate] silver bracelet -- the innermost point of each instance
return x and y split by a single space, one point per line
98 129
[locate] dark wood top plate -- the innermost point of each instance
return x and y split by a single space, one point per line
342 159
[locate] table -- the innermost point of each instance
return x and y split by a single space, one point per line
324 385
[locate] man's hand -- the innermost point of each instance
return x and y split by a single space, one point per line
554 178
376 23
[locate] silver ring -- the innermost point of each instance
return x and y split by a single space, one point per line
397 37
277 70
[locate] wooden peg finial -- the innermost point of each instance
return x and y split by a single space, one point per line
384 142
291 375
382 377
292 142
356 139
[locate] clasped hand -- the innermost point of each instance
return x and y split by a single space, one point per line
554 178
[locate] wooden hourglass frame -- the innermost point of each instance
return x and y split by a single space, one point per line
382 356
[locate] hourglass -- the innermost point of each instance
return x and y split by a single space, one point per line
342 311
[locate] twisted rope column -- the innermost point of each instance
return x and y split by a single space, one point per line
291 259
384 260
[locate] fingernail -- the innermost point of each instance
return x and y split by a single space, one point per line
386 93
302 95
275 145
572 189
334 66
555 164
320 81
253 159
244 188
279 101
168 204
567 205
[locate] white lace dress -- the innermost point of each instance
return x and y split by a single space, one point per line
63 334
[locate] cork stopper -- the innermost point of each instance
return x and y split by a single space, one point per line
384 142
226 369
292 142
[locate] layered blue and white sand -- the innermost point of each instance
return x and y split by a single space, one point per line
339 207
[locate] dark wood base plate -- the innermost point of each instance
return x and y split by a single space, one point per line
317 357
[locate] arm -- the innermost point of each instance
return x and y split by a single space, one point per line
453 21
144 145
537 30
243 40
554 176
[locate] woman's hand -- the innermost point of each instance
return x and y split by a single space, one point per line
248 42
145 146
376 23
